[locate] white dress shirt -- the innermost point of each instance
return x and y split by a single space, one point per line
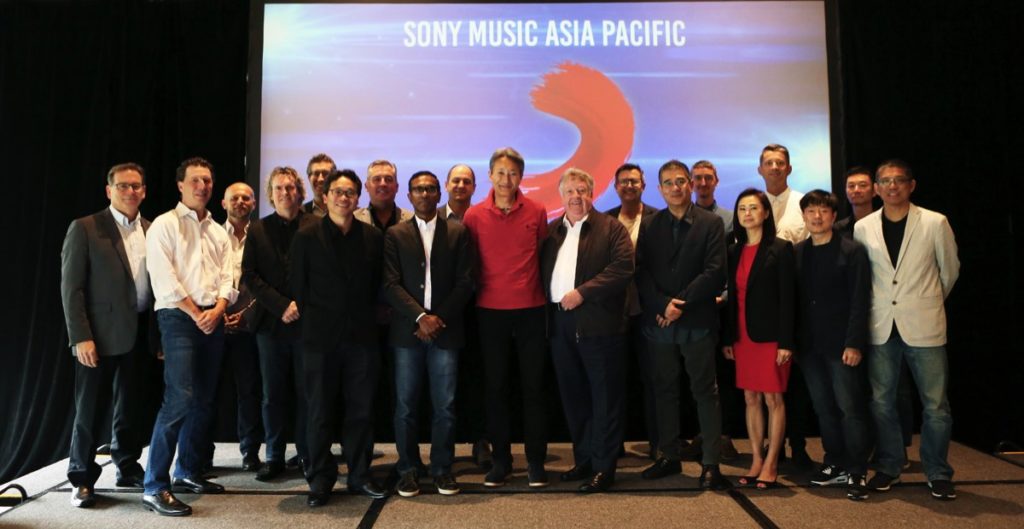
188 257
427 230
235 248
789 220
134 239
563 277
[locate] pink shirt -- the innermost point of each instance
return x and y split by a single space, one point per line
508 246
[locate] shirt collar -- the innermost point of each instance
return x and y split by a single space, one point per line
783 196
230 228
712 208
122 220
516 204
426 225
184 211
578 226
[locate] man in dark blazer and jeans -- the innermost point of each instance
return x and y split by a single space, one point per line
107 304
427 280
335 268
680 269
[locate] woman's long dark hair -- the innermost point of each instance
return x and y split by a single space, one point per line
767 229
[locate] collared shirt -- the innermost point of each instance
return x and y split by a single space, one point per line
134 239
314 208
448 214
236 247
563 277
427 229
722 213
789 220
396 215
188 257
632 225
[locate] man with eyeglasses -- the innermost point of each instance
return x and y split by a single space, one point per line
382 186
319 166
631 212
914 266
508 229
680 262
860 193
334 274
107 304
427 280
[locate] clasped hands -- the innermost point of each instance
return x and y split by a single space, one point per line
673 311
429 328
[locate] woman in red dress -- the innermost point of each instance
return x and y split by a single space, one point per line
759 330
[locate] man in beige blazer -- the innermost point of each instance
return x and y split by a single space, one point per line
913 266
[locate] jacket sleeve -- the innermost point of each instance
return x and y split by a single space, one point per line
708 284
615 276
651 298
267 296
74 271
787 296
945 255
298 269
859 293
731 313
465 259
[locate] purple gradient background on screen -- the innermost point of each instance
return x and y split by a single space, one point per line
338 79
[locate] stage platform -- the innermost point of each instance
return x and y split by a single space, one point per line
990 495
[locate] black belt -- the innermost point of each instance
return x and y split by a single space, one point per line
558 307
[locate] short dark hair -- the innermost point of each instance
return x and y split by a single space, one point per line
767 229
194 161
673 164
418 174
511 154
343 173
774 147
895 163
819 197
127 166
707 165
857 169
628 167
472 173
320 158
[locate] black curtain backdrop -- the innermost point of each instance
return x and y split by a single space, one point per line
87 85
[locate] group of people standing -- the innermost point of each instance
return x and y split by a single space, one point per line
316 304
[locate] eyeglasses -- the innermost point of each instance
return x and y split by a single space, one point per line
423 190
122 186
899 180
630 182
678 182
320 172
338 192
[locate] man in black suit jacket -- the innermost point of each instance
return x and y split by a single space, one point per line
335 268
107 302
834 285
427 280
586 264
680 269
274 317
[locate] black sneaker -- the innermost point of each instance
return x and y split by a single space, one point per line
496 476
446 485
409 485
830 475
857 489
536 475
882 482
942 489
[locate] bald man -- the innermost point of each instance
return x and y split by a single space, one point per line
240 354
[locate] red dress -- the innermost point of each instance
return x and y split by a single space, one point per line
756 368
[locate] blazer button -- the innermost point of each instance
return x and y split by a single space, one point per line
423 265
894 302
421 286
894 281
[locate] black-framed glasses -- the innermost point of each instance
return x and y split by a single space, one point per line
424 190
320 172
124 186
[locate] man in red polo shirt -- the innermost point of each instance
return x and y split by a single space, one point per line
508 229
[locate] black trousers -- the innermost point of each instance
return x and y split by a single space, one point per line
507 335
470 412
116 379
241 370
591 380
353 371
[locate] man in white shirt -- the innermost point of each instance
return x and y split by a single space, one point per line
188 261
106 297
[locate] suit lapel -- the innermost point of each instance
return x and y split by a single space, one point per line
108 227
876 232
912 221
759 259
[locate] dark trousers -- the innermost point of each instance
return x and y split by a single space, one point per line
114 379
192 363
698 359
591 380
353 371
425 364
799 411
242 364
840 396
645 368
507 335
471 415
281 367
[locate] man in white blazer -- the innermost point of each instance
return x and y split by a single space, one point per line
913 266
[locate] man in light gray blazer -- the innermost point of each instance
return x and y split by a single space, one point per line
913 265
107 300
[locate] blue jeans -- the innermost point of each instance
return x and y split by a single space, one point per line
840 399
281 365
930 370
439 367
191 368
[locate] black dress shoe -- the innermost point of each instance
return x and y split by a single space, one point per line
482 454
662 468
576 474
270 471
293 462
370 489
103 449
601 482
251 462
317 499
130 481
164 503
83 497
711 478
196 486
